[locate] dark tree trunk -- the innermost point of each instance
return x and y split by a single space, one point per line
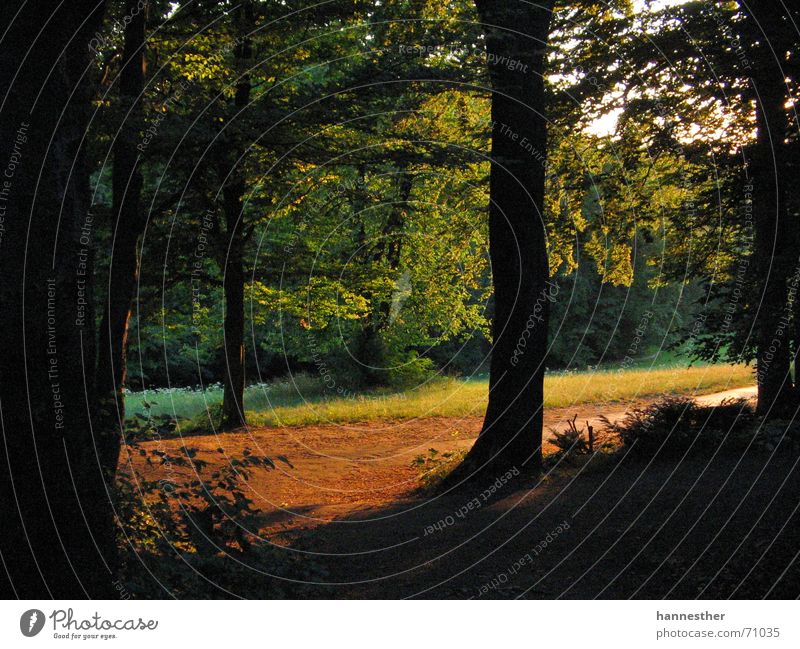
127 226
233 327
57 533
233 252
775 233
775 264
511 437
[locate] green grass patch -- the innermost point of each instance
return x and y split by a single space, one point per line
304 400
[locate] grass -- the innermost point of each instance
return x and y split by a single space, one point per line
305 400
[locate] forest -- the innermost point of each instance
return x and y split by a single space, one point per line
487 279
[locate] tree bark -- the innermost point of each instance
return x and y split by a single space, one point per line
128 225
57 534
511 436
233 327
776 235
774 264
233 415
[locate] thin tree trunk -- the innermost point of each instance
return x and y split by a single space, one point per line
57 534
511 436
393 237
233 285
372 351
128 226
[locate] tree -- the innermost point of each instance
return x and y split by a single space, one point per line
714 85
768 32
129 220
235 136
511 436
311 113
234 187
57 536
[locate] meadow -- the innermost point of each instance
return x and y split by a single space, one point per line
303 399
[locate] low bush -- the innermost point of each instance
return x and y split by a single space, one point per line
574 442
673 424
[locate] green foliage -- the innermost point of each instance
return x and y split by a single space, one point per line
674 425
373 227
363 209
410 370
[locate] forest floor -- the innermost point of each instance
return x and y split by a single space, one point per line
325 472
347 497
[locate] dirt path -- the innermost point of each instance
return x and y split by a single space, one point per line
330 472
710 525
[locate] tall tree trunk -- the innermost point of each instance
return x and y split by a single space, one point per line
57 533
233 327
511 436
128 225
775 234
233 283
774 264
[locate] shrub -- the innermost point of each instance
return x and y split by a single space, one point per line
673 424
409 370
571 440
574 442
